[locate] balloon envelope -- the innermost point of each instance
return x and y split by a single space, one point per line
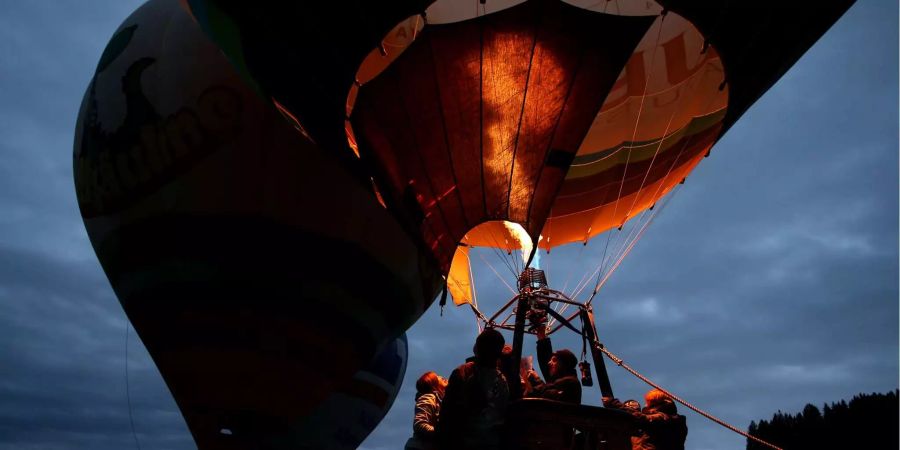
350 414
260 272
569 120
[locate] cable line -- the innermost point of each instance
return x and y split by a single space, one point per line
128 388
703 413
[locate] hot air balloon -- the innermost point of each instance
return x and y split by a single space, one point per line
545 124
261 274
350 413
568 120
416 133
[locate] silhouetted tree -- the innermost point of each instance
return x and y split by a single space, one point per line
867 421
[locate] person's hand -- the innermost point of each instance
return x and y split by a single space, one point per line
611 402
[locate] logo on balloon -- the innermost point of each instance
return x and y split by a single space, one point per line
115 169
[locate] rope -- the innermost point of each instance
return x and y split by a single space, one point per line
479 318
637 122
689 86
571 272
128 389
498 275
703 413
585 279
640 112
632 243
627 246
472 282
509 260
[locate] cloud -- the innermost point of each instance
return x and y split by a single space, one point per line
798 373
770 281
63 372
646 311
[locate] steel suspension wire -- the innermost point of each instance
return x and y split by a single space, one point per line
703 413
479 319
652 161
507 260
498 275
629 247
667 199
474 303
510 260
627 244
584 281
633 136
630 243
601 280
627 240
137 443
579 288
472 282
619 249
571 272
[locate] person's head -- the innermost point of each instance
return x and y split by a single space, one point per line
489 346
562 363
656 397
506 361
632 404
431 382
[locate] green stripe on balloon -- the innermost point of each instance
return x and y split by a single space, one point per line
225 33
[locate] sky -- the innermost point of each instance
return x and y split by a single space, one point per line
769 282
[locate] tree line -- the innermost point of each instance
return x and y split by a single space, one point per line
866 421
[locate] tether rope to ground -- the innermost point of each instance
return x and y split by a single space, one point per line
703 413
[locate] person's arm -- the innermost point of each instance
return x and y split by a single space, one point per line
565 389
655 418
612 403
427 408
549 391
544 352
534 380
645 418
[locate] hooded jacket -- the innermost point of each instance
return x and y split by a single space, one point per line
564 388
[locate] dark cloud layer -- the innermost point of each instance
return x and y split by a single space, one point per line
769 282
62 380
62 331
